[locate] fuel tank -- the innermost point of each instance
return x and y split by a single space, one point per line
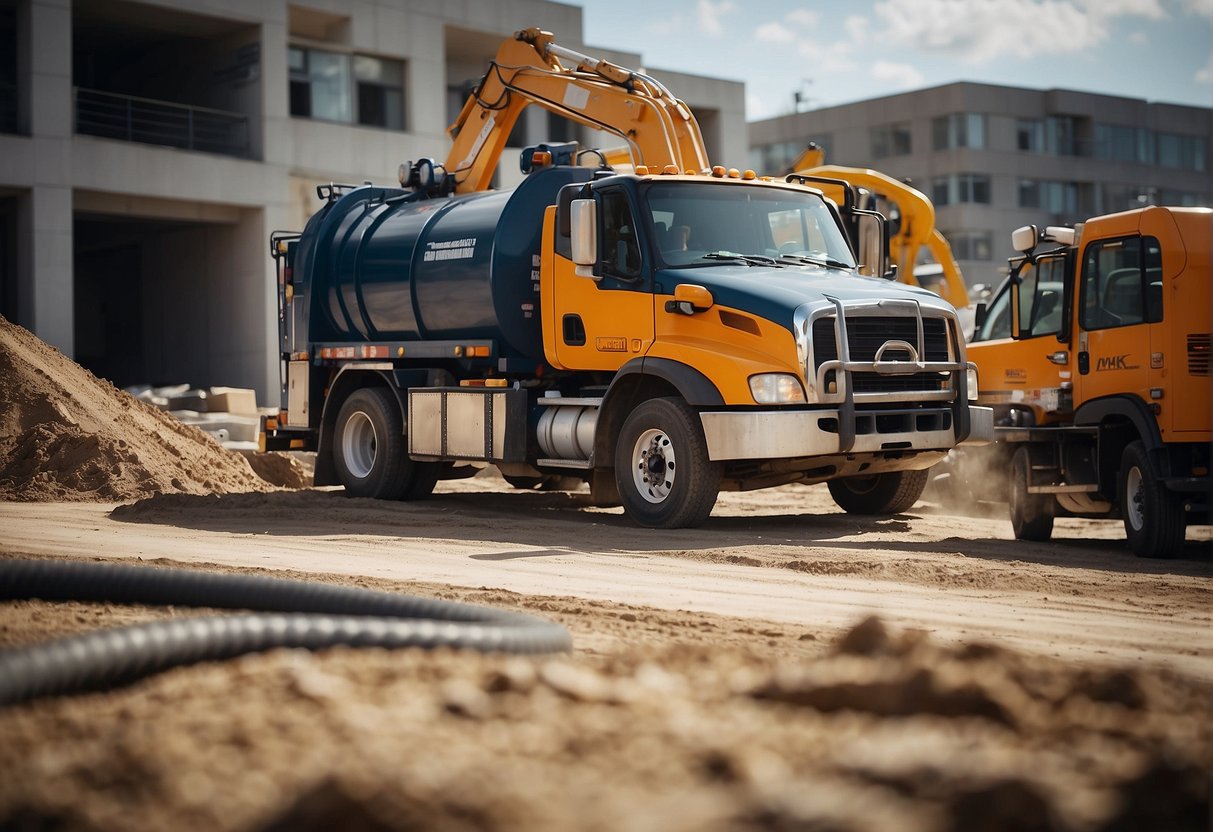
379 265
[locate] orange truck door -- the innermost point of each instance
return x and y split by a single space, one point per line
1116 310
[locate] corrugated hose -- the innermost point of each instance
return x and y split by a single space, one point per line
287 613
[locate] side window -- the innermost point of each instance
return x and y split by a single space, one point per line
1040 298
998 319
620 249
1121 283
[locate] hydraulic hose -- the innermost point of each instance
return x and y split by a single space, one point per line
287 614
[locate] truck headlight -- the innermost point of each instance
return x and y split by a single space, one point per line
776 388
971 382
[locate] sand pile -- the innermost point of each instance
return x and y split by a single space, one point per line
66 435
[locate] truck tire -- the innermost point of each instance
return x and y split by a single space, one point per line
889 493
1154 517
1031 514
368 445
665 478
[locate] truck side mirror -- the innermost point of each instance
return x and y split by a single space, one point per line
872 244
1025 238
583 216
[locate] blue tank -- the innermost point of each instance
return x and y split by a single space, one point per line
377 266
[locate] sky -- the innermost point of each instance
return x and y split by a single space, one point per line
839 51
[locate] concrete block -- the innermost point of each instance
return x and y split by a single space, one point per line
236 400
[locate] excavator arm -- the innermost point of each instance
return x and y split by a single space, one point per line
917 227
531 68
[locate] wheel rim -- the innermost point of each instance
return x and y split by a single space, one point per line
653 466
358 442
1135 498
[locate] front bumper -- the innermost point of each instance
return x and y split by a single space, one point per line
781 434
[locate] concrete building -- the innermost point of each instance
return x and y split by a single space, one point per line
994 158
148 149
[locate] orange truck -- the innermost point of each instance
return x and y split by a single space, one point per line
1095 355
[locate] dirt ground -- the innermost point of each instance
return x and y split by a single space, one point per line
784 667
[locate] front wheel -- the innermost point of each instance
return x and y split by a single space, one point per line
1154 518
889 493
665 478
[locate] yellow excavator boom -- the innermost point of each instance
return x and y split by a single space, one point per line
917 224
531 68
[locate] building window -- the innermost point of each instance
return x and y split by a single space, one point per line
1030 135
1052 197
959 130
1186 152
1123 143
357 89
971 245
960 188
891 140
777 158
1056 134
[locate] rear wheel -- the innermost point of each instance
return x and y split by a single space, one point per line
889 493
662 469
1031 514
1154 517
369 450
368 445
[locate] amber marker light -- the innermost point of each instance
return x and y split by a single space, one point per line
671 169
748 175
642 170
718 171
734 173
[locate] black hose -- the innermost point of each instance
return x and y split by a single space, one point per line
294 614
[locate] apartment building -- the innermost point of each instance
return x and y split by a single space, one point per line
993 158
148 149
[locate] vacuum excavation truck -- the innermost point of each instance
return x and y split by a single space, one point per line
662 334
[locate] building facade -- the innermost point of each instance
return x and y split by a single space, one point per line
994 158
147 151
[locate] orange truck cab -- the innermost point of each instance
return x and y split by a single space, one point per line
1095 357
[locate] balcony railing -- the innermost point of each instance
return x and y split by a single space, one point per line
133 119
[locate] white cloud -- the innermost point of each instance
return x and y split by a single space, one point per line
802 17
1204 75
709 14
836 57
1139 39
774 32
899 76
1200 8
983 30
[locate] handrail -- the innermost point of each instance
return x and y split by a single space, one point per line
150 121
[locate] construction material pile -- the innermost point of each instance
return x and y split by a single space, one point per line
66 435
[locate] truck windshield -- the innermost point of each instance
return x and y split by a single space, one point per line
700 224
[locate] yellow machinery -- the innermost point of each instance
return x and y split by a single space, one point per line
531 68
917 220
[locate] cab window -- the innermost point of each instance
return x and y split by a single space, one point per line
1041 285
1121 283
620 248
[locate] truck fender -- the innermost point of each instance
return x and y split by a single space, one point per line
1116 417
349 378
644 378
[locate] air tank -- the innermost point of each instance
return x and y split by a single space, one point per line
377 266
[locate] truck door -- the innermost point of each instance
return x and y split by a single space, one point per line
1116 309
602 323
1030 372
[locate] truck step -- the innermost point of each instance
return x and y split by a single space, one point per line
579 464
